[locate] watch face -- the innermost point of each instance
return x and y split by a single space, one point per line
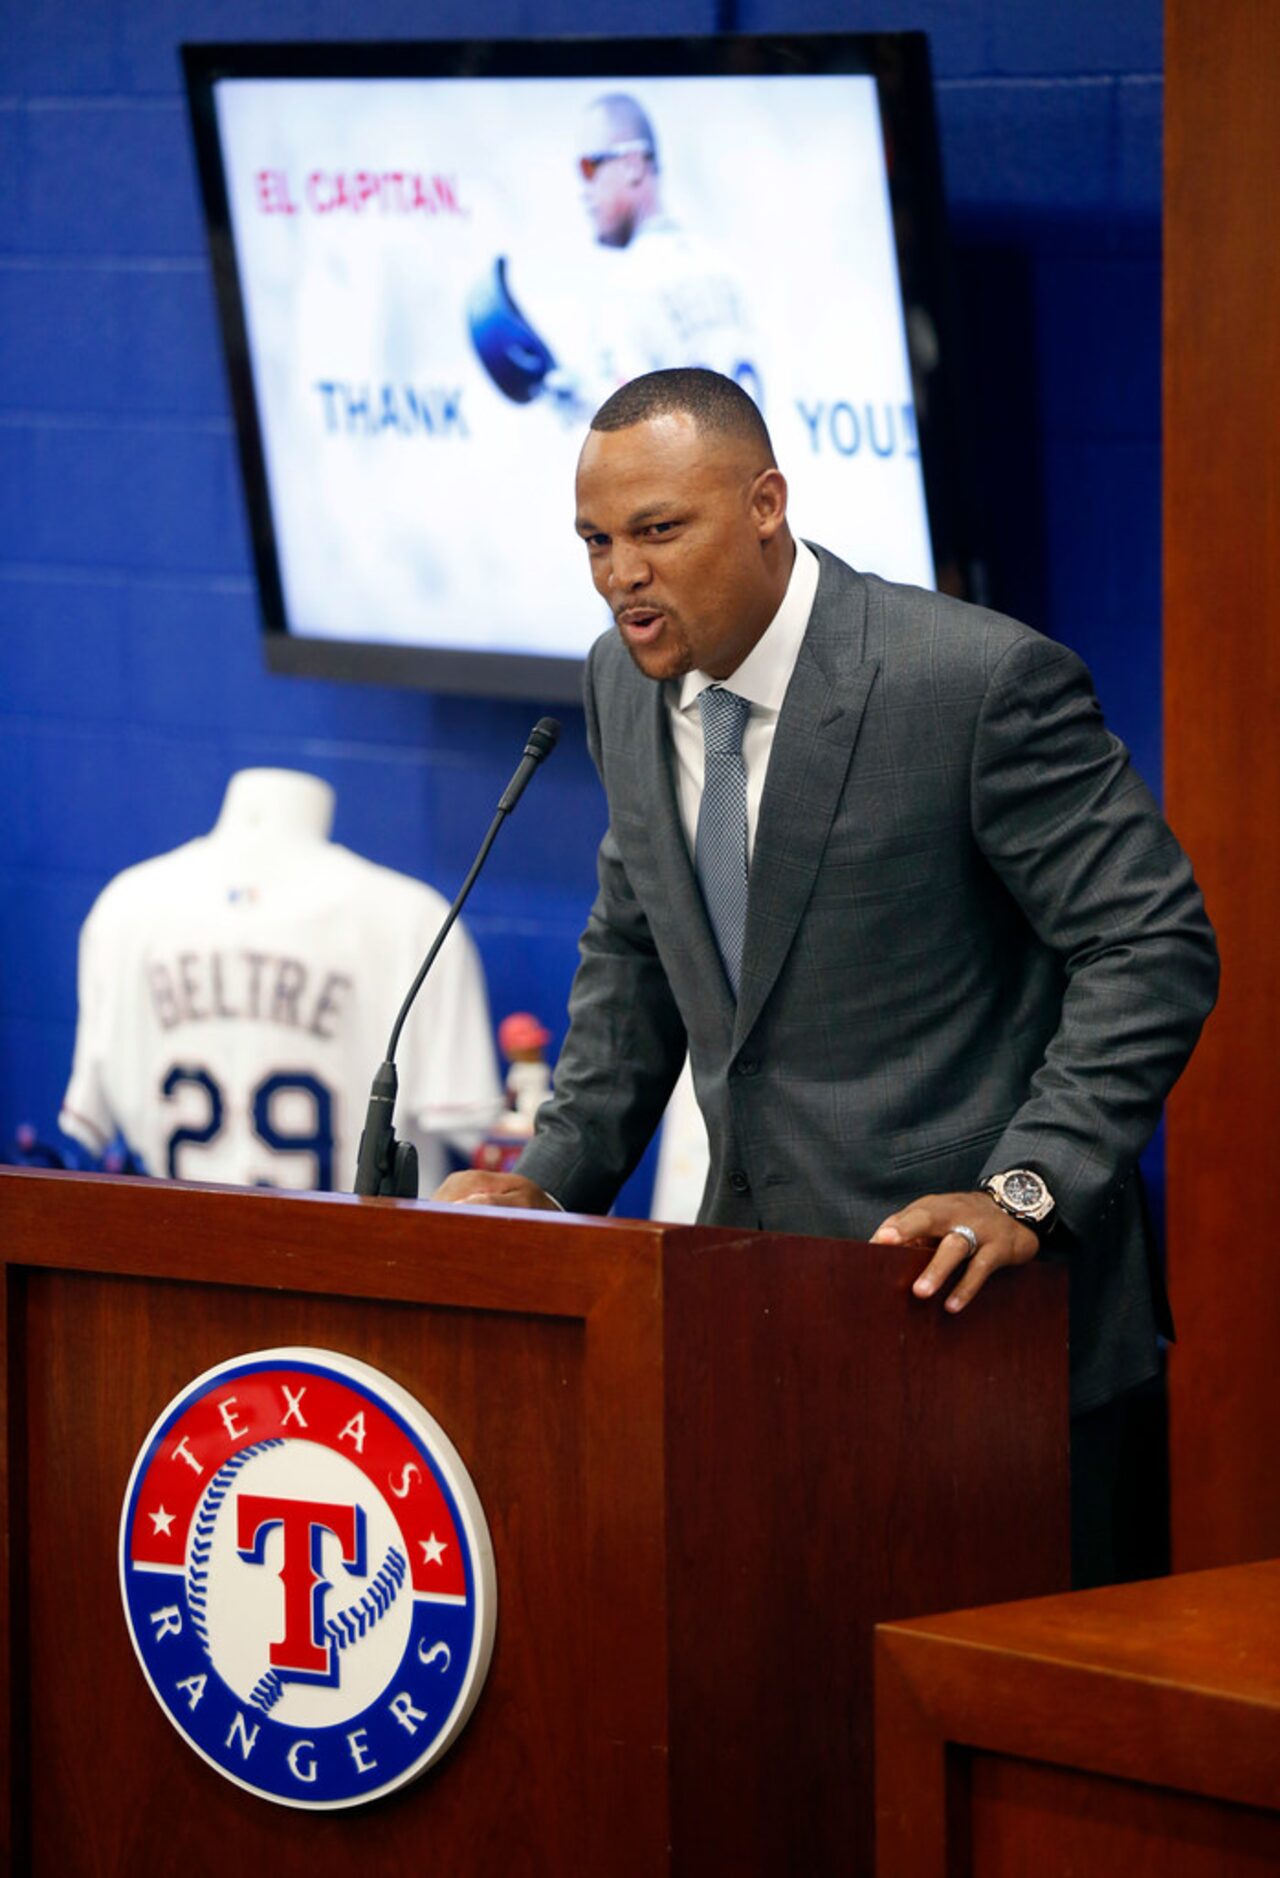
1025 1191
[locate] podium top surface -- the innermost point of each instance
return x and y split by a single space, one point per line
549 1263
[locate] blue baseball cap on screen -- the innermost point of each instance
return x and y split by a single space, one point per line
512 353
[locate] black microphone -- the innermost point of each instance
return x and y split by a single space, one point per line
542 741
385 1165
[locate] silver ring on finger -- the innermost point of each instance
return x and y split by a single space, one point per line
969 1236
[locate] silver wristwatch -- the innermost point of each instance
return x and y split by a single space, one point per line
1024 1196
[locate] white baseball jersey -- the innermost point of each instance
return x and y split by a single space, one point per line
236 997
670 299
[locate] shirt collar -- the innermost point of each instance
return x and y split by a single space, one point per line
763 676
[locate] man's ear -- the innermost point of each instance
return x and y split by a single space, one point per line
769 504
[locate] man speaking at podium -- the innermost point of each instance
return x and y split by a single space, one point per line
876 862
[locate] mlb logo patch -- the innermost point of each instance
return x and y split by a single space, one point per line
307 1577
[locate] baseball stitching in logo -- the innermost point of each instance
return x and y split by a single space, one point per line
307 1577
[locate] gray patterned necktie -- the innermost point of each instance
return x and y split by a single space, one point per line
720 846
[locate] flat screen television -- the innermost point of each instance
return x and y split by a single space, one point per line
433 261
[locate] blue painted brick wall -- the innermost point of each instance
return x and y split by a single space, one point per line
130 678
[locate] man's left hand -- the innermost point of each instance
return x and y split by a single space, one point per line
1002 1240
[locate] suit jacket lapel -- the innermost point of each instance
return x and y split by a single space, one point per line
685 909
812 749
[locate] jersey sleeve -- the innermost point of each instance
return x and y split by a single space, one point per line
449 1083
86 1114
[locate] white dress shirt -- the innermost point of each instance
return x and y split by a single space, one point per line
762 678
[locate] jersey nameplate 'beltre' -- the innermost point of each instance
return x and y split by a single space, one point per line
247 987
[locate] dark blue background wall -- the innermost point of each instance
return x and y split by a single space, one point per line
130 678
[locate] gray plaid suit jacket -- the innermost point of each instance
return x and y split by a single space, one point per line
972 943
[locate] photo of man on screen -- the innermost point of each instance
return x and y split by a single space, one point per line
661 297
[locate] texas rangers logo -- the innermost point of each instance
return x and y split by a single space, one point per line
307 1577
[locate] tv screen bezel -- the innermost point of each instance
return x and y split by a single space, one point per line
897 61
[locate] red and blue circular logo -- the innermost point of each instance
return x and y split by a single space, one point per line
308 1577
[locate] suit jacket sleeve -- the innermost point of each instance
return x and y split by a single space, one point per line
1077 838
624 1049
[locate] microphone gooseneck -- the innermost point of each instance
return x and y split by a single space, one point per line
385 1165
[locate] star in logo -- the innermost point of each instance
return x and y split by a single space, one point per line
433 1549
161 1522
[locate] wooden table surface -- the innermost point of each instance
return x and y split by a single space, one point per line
1171 1686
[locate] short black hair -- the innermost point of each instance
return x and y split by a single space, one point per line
714 402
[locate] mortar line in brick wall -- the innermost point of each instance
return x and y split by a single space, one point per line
110 420
1066 81
102 264
91 574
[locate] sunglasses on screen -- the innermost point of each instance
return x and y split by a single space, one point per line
588 165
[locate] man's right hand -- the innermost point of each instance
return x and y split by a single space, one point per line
473 1187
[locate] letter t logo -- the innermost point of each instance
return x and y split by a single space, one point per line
302 1654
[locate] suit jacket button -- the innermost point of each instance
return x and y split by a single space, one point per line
738 1181
749 1066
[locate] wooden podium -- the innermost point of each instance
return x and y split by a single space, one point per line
710 1463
